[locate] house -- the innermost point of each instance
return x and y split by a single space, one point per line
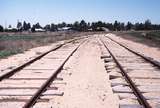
64 29
39 30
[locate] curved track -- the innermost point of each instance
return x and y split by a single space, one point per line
133 76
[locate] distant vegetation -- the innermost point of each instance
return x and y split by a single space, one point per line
11 43
151 35
82 26
23 38
151 38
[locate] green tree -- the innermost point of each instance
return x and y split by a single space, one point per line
25 26
99 24
129 26
19 25
37 25
1 28
28 26
47 27
116 25
93 26
33 28
63 24
122 26
109 26
83 26
53 27
76 26
147 25
9 26
139 26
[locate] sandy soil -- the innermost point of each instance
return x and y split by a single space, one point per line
87 83
148 51
14 61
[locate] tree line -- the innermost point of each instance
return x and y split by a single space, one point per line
84 26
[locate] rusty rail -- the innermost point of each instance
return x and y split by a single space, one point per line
148 59
36 96
136 91
12 72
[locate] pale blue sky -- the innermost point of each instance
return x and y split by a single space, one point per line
48 11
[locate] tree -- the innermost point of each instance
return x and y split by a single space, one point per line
47 27
88 24
28 26
147 25
33 28
76 26
69 25
9 26
93 26
25 26
63 24
19 25
139 26
99 24
115 25
1 28
122 27
37 25
53 27
129 26
109 26
83 26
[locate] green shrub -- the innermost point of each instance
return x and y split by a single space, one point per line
6 53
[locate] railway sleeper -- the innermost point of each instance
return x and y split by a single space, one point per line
133 76
120 87
130 106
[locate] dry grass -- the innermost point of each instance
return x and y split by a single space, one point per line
149 38
13 43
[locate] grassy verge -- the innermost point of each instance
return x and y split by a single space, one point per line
154 35
6 53
150 38
151 35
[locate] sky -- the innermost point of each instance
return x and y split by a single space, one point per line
56 11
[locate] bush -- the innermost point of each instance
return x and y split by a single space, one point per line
1 28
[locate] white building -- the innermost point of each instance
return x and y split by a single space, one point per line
39 30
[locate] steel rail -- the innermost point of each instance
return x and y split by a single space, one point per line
36 96
136 91
12 72
155 63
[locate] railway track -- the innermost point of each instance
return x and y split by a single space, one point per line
4 75
34 83
134 77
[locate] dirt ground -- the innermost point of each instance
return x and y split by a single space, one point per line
8 64
86 82
14 43
148 48
87 85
